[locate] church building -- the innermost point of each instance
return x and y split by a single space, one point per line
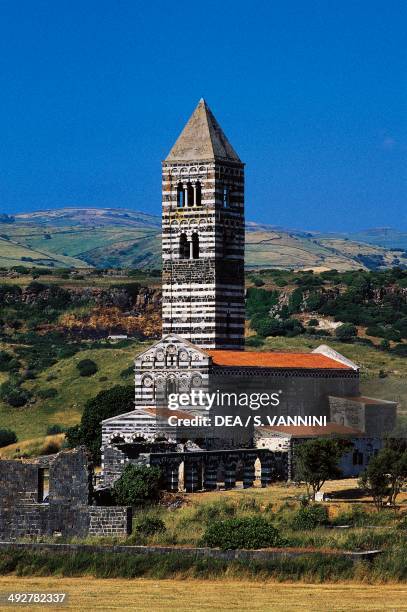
203 295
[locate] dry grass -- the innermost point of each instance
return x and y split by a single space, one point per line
31 448
193 595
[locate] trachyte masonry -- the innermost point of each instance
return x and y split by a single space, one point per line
203 333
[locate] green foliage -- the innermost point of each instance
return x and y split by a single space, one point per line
249 532
7 436
14 395
346 332
8 363
87 367
55 429
106 404
386 473
317 461
149 525
310 517
127 372
47 393
217 510
138 485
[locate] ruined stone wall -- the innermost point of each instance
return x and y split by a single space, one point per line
68 511
109 521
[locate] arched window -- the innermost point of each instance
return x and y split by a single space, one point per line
226 196
198 194
180 196
183 247
189 201
171 386
195 246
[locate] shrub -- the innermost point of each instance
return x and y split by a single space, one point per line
47 393
217 510
7 436
149 525
346 332
127 372
14 395
313 323
310 517
7 362
55 429
138 485
250 532
255 341
87 367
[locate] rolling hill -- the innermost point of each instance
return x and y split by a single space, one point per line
109 238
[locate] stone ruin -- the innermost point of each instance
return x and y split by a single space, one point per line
69 507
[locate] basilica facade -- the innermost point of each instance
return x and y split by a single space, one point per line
202 347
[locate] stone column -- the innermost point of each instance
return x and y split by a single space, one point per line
194 188
230 472
171 476
266 470
192 475
211 473
248 471
185 195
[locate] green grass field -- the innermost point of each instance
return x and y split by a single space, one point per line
31 421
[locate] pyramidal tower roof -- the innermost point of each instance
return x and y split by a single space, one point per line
202 139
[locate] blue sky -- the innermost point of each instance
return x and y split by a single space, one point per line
312 95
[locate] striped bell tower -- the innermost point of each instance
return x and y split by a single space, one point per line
203 236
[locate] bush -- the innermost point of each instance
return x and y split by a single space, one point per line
255 341
7 436
250 532
8 363
55 429
313 323
346 332
14 395
127 372
149 525
310 517
138 485
87 367
47 393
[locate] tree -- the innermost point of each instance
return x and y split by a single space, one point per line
374 481
7 436
386 473
317 461
106 404
87 367
138 485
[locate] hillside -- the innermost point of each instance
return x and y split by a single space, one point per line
111 238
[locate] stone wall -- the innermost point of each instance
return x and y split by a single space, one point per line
68 510
110 521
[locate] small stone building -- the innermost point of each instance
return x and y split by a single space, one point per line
28 510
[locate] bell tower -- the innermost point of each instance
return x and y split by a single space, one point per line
203 236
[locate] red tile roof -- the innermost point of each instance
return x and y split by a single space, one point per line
259 359
316 431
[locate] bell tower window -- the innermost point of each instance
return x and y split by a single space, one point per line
198 194
226 196
189 195
180 196
183 247
195 246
